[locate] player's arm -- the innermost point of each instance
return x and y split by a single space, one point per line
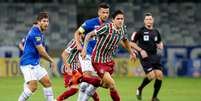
126 44
41 50
64 56
134 38
159 42
160 45
78 34
38 42
21 47
86 41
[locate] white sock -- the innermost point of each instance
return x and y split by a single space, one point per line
25 94
48 92
90 90
83 87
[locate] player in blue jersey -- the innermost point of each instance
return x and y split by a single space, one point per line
21 43
30 60
89 25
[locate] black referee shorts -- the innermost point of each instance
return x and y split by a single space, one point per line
152 62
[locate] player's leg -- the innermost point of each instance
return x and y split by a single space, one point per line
88 71
90 91
111 84
71 91
30 84
45 81
157 84
147 67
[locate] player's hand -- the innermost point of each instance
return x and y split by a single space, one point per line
53 65
83 54
133 56
144 54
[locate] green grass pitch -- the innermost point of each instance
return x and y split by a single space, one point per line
173 89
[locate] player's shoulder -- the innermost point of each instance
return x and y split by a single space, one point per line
92 21
34 31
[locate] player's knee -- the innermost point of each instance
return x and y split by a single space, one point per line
159 75
33 88
151 76
83 86
47 83
112 84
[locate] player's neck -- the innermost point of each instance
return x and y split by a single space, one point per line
149 27
100 20
39 28
116 27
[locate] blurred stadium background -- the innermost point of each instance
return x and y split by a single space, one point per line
179 22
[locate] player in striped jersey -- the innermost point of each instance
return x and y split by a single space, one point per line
108 37
71 68
89 25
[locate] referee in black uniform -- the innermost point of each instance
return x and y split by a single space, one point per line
147 41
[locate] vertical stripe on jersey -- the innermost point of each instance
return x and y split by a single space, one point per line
108 44
98 51
100 42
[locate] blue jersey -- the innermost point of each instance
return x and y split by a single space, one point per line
30 55
88 26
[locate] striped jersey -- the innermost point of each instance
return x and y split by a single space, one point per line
73 59
88 26
107 41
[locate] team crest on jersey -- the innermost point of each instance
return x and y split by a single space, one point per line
38 38
146 37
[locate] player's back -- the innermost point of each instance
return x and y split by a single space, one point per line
30 55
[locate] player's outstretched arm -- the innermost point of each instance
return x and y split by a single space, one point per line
77 36
41 50
160 45
21 47
64 56
126 44
88 36
140 50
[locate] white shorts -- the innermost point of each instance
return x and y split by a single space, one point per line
31 72
86 64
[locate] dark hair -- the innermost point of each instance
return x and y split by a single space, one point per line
42 15
103 5
147 14
116 13
35 22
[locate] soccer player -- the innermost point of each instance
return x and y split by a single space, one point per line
71 67
87 68
21 43
149 40
21 46
30 60
108 37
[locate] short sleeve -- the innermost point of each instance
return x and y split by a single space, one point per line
135 36
124 32
158 37
102 29
70 46
37 40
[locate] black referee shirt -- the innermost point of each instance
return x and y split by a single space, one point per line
147 39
